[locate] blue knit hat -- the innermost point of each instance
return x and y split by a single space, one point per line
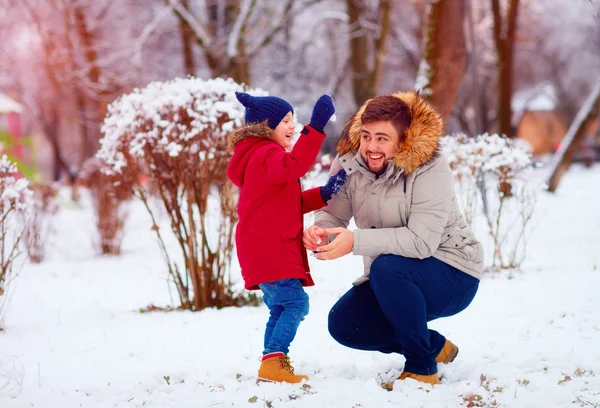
261 108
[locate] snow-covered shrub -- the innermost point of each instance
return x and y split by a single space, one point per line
15 216
175 134
492 179
45 207
110 193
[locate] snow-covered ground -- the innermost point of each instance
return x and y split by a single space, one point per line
74 336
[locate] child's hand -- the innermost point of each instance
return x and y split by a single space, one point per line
322 112
333 186
313 237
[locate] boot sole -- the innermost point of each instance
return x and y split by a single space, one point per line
264 380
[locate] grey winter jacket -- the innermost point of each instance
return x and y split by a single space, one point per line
410 209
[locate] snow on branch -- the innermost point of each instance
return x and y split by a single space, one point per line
240 22
163 104
192 22
169 140
15 214
493 179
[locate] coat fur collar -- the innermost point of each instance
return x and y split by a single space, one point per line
260 130
421 144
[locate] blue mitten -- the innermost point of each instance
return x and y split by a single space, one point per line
333 186
322 112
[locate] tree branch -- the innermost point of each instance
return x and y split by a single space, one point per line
238 27
201 36
287 16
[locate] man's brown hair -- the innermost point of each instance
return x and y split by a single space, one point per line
388 108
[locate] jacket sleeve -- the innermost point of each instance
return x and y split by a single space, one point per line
280 166
429 212
338 211
311 200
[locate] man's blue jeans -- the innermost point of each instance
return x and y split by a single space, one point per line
390 312
288 303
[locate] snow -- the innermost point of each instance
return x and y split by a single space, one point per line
152 114
74 336
538 98
9 105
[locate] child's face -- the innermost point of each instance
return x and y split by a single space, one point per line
284 132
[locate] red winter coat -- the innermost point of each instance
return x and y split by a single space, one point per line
271 204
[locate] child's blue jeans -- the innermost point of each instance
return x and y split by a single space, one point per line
288 303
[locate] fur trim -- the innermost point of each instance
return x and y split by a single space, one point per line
421 144
261 130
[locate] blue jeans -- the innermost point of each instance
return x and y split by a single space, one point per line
390 312
288 303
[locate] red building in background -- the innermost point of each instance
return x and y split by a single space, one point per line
10 122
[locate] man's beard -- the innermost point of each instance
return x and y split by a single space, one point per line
377 171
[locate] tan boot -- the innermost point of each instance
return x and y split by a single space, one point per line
277 367
428 379
447 354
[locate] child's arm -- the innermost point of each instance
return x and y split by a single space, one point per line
281 166
312 200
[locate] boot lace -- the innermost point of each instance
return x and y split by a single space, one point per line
287 364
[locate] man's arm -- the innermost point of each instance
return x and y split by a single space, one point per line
431 203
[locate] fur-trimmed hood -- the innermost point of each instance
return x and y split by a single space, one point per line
260 130
421 144
243 142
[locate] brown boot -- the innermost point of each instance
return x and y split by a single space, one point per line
447 354
277 367
428 379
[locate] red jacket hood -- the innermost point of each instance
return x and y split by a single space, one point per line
244 141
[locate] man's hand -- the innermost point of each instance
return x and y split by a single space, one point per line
340 246
313 237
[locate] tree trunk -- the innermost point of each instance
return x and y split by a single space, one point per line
366 74
445 53
187 42
504 38
99 91
385 10
221 16
572 139
358 52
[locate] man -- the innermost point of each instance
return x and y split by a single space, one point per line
421 259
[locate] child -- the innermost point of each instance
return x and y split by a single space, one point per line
270 209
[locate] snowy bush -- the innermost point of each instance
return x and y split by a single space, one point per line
492 179
15 213
38 234
175 134
110 193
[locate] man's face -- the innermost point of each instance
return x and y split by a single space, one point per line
378 144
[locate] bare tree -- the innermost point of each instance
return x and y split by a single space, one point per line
44 109
444 56
368 31
589 111
221 33
505 28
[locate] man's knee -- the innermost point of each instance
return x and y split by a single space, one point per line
337 324
386 269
